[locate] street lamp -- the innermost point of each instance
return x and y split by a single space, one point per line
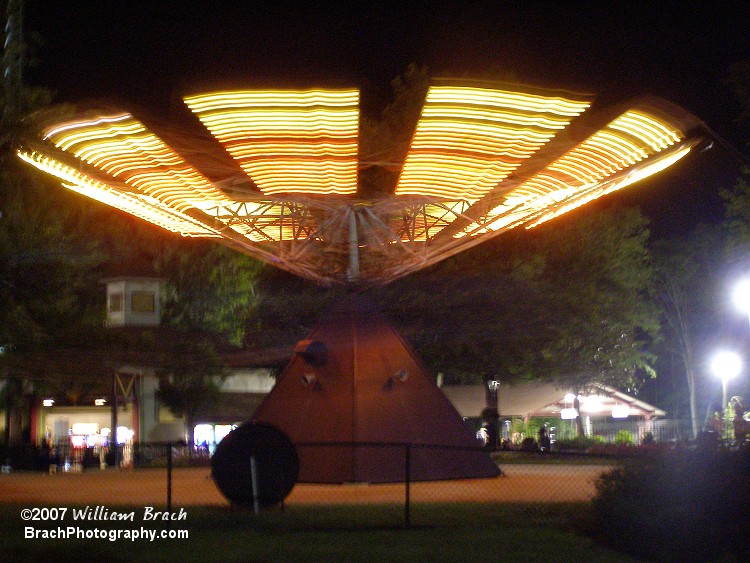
725 365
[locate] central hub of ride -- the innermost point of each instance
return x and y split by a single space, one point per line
276 174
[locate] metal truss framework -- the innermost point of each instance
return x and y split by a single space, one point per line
482 161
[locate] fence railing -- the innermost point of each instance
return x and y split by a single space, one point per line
395 478
174 475
611 431
394 465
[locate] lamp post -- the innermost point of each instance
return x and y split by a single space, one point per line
490 414
726 366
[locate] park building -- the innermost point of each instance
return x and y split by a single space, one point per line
118 388
124 395
604 411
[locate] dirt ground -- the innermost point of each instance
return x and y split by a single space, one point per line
194 486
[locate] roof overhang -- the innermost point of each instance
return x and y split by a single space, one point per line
550 400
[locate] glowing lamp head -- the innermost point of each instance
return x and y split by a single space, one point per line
568 413
726 365
620 411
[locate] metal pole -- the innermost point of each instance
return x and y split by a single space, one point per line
407 483
353 272
169 478
113 431
254 479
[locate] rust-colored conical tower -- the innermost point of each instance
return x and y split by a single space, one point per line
355 394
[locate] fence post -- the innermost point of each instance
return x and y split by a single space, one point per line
407 484
254 484
169 477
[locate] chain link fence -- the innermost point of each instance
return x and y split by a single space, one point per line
173 475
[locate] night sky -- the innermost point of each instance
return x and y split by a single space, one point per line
153 52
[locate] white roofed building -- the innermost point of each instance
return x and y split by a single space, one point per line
604 409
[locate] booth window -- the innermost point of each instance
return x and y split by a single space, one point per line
116 303
144 302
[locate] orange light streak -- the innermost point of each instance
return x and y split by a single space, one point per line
144 207
580 175
288 141
470 139
123 148
473 148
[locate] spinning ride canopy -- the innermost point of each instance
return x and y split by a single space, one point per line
278 175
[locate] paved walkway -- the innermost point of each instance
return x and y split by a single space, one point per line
194 486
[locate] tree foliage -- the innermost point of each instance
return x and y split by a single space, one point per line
46 257
737 199
686 270
385 139
568 303
189 382
211 288
287 309
688 505
56 246
739 80
737 217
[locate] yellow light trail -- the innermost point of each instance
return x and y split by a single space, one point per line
473 148
288 141
470 139
580 175
144 207
123 148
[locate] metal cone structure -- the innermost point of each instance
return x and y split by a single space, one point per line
355 397
276 174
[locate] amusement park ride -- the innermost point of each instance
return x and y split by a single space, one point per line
276 174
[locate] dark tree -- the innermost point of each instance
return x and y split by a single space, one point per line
687 289
190 381
568 303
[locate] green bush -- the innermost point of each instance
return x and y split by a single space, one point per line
624 437
578 443
689 505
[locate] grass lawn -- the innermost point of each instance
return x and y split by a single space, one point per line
440 532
